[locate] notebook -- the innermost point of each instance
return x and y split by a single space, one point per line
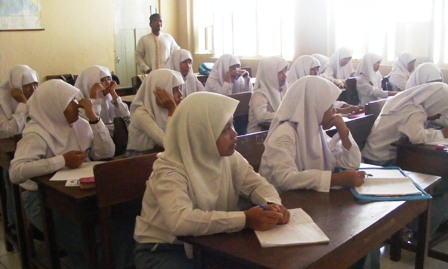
300 230
85 170
387 182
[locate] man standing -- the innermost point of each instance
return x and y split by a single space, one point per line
154 49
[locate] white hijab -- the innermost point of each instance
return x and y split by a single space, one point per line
162 78
222 65
432 97
304 105
267 80
47 107
340 72
301 67
323 60
424 73
18 76
173 63
87 79
365 67
400 73
191 150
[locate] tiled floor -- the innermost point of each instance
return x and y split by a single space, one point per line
11 260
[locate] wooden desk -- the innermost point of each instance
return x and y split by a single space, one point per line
354 229
424 159
75 204
128 99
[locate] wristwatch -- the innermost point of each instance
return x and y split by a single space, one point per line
95 121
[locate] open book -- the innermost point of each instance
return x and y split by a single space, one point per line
387 182
300 230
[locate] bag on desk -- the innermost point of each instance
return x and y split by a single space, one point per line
205 68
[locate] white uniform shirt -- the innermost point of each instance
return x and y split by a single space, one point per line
170 194
280 161
153 51
405 115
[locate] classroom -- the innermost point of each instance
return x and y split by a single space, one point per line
75 36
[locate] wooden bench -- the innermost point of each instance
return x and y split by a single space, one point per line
120 186
241 115
350 94
251 147
374 107
359 128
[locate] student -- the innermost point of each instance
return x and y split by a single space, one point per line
154 49
14 95
181 61
425 73
227 77
405 116
368 79
196 185
401 70
339 67
153 104
307 65
323 61
270 87
97 85
55 138
298 153
304 65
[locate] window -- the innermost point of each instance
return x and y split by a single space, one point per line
390 27
248 28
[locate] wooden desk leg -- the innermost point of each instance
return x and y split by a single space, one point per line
20 225
50 239
89 242
395 247
198 262
422 237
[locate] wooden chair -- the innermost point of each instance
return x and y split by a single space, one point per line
375 107
241 115
359 128
120 136
17 239
251 147
120 185
351 92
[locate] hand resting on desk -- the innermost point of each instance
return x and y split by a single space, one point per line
262 220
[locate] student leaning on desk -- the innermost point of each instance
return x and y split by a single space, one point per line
54 138
196 185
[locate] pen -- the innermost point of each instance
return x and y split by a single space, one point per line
263 207
369 175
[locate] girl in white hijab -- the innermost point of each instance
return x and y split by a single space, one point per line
425 73
96 83
339 67
270 87
304 65
181 61
298 153
14 94
323 60
227 77
405 116
401 70
196 184
149 113
368 79
54 138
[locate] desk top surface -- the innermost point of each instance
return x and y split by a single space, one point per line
345 221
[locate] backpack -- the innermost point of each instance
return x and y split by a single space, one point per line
205 68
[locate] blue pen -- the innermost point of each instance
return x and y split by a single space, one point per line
264 207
